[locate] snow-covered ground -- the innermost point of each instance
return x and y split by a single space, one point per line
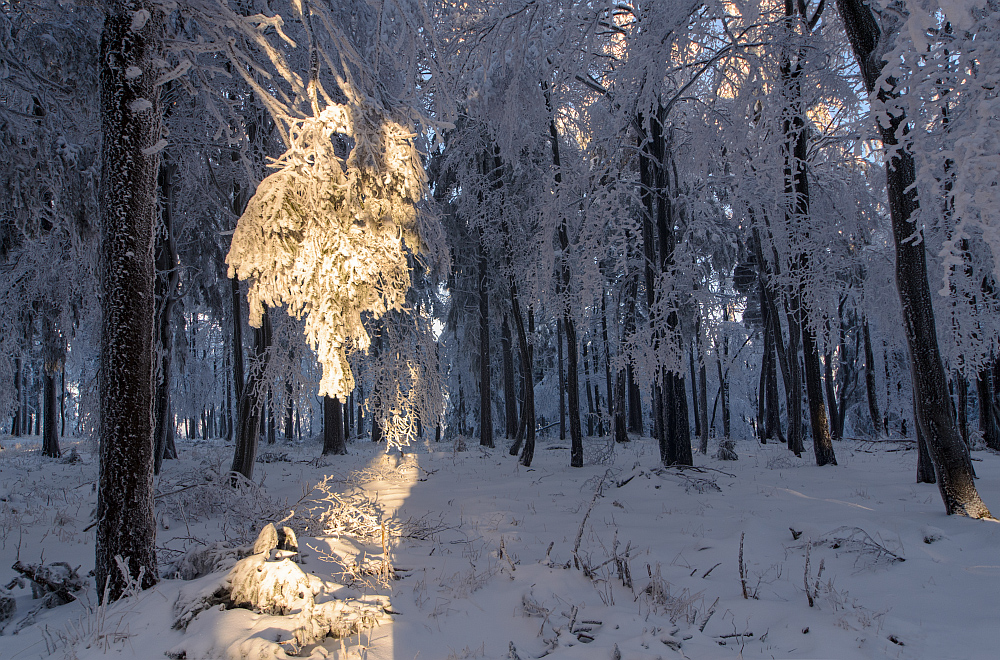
484 564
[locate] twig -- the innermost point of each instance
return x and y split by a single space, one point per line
805 578
743 570
583 523
708 615
710 570
180 490
746 634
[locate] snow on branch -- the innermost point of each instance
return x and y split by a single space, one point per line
328 236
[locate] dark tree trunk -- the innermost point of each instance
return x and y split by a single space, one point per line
17 423
608 387
562 380
847 374
165 288
485 372
50 411
289 411
509 387
271 430
822 443
53 355
573 384
126 527
962 405
703 401
333 427
376 398
703 444
949 454
925 466
635 424
723 395
251 405
572 362
590 395
772 423
360 426
239 377
648 186
526 429
987 414
870 379
62 402
39 397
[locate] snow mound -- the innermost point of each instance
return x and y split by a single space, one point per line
286 604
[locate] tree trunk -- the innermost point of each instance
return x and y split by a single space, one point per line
822 443
50 411
509 387
608 387
165 289
573 384
635 424
333 427
987 415
590 395
376 399
870 379
925 466
962 405
251 405
952 463
703 444
485 373
703 402
572 366
526 429
126 527
562 380
17 423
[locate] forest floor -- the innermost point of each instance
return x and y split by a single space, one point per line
767 556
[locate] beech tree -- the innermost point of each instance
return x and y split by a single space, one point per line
131 141
872 41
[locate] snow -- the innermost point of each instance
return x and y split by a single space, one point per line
482 552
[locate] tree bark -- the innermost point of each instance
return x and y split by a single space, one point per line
590 395
925 466
573 383
572 366
870 379
987 414
703 444
165 289
50 411
562 380
485 373
962 405
952 463
333 427
376 399
509 387
251 405
130 127
17 423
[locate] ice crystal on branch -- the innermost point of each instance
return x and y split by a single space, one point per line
328 236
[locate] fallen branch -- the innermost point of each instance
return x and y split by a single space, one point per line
579 534
59 582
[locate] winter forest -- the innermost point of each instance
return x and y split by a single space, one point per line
394 329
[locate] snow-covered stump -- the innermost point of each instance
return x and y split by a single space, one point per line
270 583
